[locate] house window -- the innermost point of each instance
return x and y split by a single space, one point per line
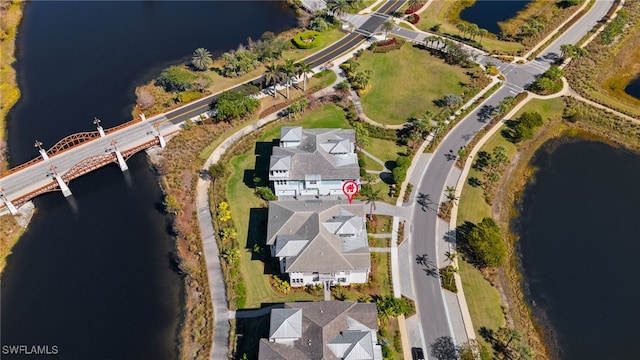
342 280
313 182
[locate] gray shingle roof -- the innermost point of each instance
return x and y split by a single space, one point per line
328 152
330 330
285 324
320 223
290 133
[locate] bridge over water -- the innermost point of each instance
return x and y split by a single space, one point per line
78 154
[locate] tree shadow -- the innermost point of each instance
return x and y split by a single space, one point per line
462 244
509 131
263 152
256 239
249 331
474 182
386 177
486 113
390 164
424 200
428 266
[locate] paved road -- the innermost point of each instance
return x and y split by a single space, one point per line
427 238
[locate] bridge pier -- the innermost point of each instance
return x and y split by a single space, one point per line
44 154
163 143
121 162
7 203
63 186
142 117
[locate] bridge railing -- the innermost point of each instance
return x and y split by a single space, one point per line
68 143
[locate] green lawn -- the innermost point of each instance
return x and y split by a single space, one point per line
384 150
242 200
402 87
482 298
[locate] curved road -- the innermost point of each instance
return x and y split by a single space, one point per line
428 235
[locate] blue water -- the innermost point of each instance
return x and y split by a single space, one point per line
487 13
580 245
633 88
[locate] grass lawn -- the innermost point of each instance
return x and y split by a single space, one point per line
482 298
383 223
401 88
379 242
384 150
242 200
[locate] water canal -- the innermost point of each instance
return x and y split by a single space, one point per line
487 13
92 275
579 247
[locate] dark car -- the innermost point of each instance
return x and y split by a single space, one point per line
417 353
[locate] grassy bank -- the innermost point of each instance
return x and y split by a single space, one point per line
165 101
483 298
621 58
11 15
400 89
530 25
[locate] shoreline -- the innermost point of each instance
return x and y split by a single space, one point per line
510 281
11 94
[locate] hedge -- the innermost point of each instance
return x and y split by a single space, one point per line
301 40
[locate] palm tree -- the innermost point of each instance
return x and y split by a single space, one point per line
451 256
462 28
288 70
482 33
387 26
453 270
473 30
272 75
303 69
371 196
201 59
338 7
451 194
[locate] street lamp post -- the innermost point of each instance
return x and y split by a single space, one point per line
43 153
97 122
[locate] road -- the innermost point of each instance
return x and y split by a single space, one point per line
427 236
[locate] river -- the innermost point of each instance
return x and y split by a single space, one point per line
487 13
579 244
92 275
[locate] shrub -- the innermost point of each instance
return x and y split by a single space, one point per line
363 172
399 174
176 78
224 214
234 104
447 279
388 45
188 96
413 18
280 285
265 193
306 40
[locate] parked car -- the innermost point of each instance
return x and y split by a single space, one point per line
417 353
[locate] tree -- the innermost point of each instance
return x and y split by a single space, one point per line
234 104
371 196
473 30
450 193
288 70
303 69
482 33
217 171
506 104
201 59
387 26
462 29
443 348
451 100
171 204
176 78
338 8
272 76
486 242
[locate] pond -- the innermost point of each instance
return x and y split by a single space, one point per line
487 13
579 247
633 88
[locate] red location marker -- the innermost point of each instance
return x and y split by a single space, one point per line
350 189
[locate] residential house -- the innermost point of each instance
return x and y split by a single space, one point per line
319 241
328 330
313 162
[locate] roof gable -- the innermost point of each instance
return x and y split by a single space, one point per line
285 324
